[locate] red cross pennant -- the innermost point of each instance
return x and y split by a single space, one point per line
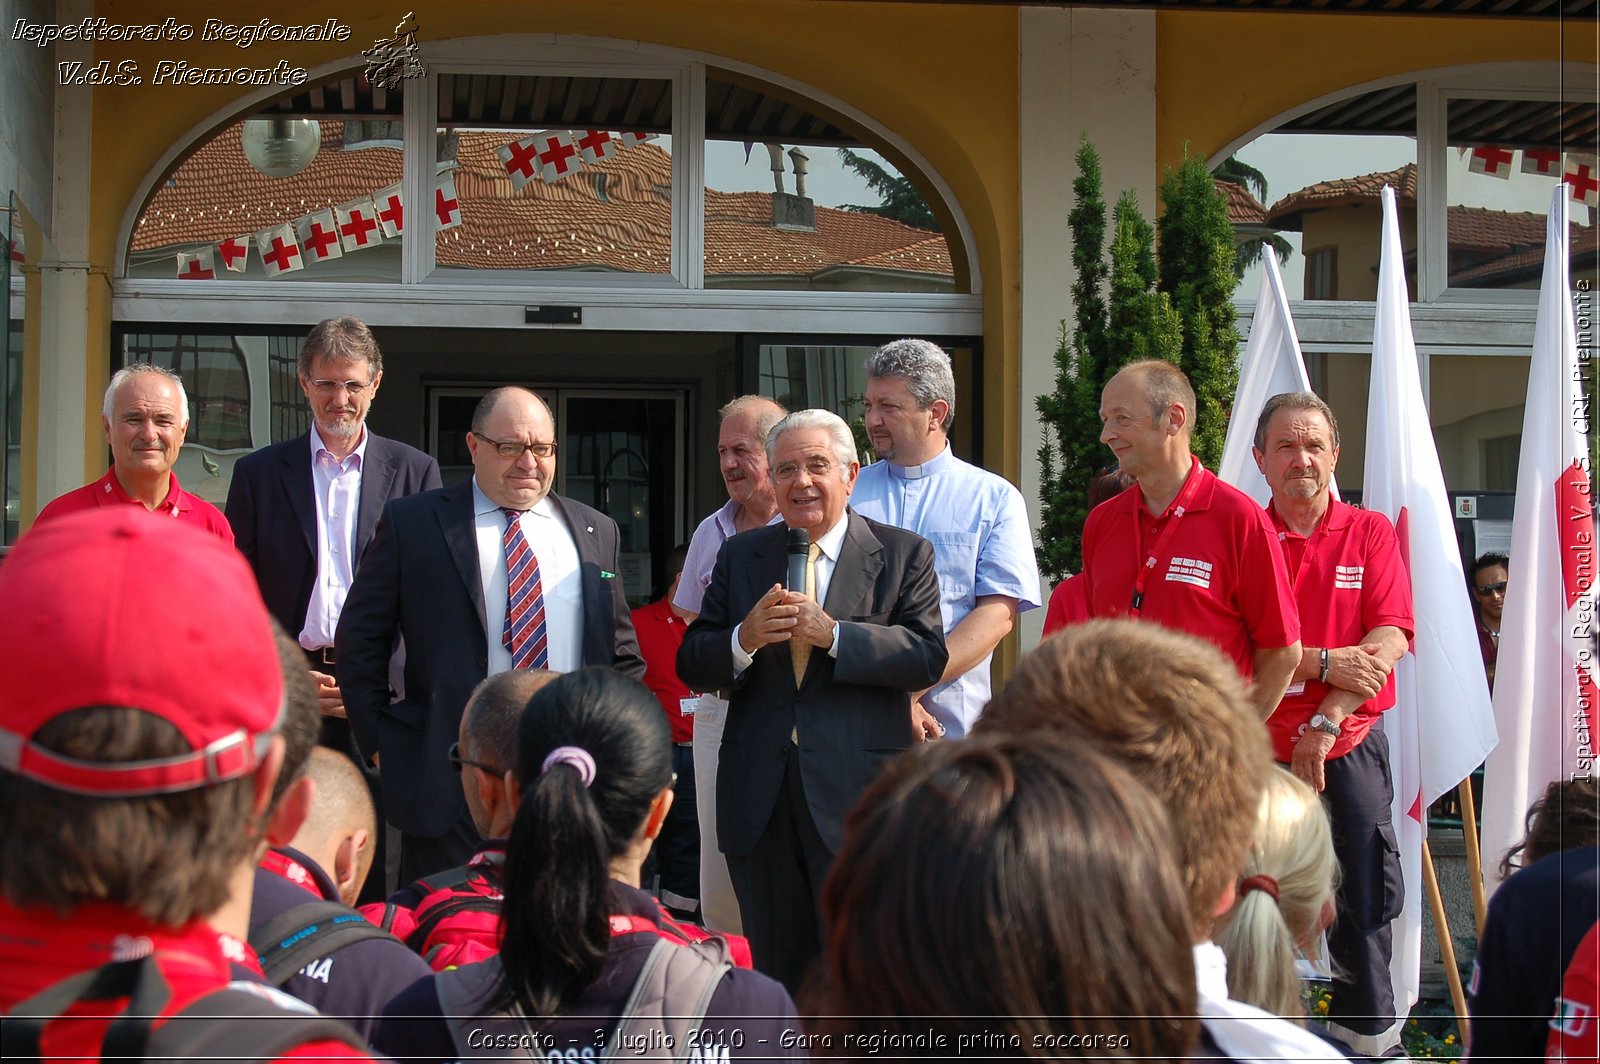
14 250
279 251
320 236
446 206
633 140
235 253
358 227
1496 162
596 144
557 156
390 211
1580 175
196 266
1541 161
521 160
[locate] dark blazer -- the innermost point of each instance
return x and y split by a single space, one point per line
852 713
420 581
273 512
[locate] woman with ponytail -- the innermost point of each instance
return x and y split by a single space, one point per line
1285 898
580 941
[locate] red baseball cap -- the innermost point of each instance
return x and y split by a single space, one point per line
108 607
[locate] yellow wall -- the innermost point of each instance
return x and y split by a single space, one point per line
947 85
1221 75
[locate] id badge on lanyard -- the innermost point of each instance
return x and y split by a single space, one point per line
1180 506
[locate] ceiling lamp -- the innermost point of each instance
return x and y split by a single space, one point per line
281 147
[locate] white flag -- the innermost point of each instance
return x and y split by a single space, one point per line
558 156
319 236
1441 727
1544 687
235 253
197 265
1496 162
279 250
446 204
358 224
1582 175
1272 364
391 210
521 160
595 144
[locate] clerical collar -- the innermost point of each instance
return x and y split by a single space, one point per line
926 469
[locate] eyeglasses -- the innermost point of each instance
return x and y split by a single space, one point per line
1491 589
817 467
514 448
458 762
354 388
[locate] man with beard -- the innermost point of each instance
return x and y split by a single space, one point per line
303 511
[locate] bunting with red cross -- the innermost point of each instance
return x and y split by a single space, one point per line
279 250
1545 162
197 265
1496 162
235 253
521 160
446 204
1583 178
558 156
595 144
319 236
391 210
358 224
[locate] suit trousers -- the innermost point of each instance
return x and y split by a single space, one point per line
422 856
779 884
719 907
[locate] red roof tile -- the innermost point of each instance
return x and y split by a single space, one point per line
1344 191
1243 208
616 215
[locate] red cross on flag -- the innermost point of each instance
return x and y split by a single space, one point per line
235 253
595 144
280 252
633 140
391 210
18 255
1496 162
196 265
358 224
446 204
558 156
1583 177
1546 161
319 236
521 160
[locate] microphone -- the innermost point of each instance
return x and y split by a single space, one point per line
799 548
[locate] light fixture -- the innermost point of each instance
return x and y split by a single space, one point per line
281 147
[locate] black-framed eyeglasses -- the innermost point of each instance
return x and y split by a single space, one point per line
1490 589
514 448
458 762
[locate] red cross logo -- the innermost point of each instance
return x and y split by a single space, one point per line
1584 184
394 214
445 208
521 160
320 240
1492 159
282 256
196 271
1537 161
232 251
595 144
558 156
359 228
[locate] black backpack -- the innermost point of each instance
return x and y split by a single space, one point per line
309 932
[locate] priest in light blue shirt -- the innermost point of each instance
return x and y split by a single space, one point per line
976 521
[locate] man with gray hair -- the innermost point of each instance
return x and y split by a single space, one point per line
976 521
742 460
145 416
820 680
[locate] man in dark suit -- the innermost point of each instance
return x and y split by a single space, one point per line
819 687
493 574
303 512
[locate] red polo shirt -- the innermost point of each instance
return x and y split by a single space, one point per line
107 491
1220 575
1348 579
660 633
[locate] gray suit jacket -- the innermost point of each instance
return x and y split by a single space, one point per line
852 712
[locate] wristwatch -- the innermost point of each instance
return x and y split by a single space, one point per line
1324 725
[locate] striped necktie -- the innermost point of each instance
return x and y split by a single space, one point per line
802 651
524 634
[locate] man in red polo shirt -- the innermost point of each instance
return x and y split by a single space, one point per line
145 417
1355 608
1181 548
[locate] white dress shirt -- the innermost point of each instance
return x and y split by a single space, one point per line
336 487
560 578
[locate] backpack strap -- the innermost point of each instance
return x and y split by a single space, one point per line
478 1034
669 1000
308 932
235 1024
430 917
140 981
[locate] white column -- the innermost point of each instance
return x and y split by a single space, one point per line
1080 70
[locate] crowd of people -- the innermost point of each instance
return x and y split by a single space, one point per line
372 767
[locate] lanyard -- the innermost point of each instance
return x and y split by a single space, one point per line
1179 506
